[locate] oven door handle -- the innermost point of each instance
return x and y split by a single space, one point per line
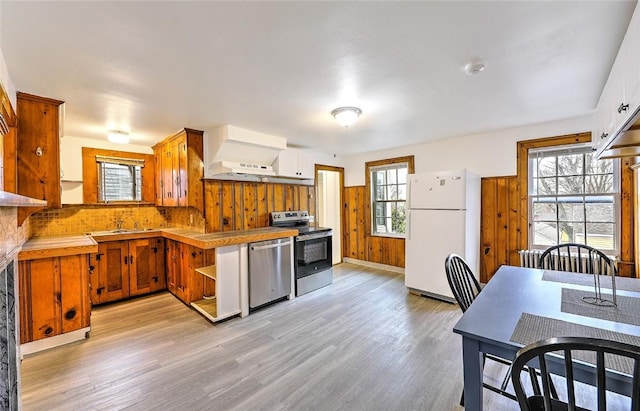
274 245
306 237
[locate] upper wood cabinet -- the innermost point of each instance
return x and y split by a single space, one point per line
38 148
295 163
179 170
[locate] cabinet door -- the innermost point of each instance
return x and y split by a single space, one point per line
182 172
141 266
287 163
159 277
306 164
74 292
113 271
173 265
38 159
632 62
39 299
169 174
158 154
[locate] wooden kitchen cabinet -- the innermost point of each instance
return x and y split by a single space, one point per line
127 268
295 163
146 270
183 280
179 170
38 148
54 296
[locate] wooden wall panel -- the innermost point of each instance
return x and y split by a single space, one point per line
498 224
240 205
356 243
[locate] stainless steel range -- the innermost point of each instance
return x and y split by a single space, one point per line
312 251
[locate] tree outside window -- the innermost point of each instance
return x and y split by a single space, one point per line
572 198
387 183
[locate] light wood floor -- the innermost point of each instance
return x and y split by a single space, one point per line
363 343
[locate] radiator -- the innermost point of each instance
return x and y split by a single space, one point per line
529 258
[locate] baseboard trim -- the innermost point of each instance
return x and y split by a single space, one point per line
370 264
51 342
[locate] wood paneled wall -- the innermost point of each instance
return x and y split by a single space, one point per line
239 205
505 210
499 223
356 243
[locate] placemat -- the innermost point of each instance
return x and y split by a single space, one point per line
627 310
532 328
622 283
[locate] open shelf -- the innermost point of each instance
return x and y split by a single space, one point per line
207 307
208 271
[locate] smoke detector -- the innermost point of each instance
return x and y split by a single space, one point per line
474 67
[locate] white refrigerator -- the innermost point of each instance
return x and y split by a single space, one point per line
443 212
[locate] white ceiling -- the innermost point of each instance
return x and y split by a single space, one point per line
281 67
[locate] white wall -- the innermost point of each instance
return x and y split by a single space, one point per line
487 155
329 208
71 163
7 83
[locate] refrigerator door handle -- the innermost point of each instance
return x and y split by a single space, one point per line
408 225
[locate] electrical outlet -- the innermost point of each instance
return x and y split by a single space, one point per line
190 219
312 219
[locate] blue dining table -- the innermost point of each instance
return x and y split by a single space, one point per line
522 305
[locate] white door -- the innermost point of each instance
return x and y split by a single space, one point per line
434 234
441 190
329 209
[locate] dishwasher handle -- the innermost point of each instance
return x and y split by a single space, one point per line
268 246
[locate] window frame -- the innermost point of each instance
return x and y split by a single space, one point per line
369 167
135 167
90 175
572 149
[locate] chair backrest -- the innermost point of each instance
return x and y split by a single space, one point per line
577 258
464 285
567 346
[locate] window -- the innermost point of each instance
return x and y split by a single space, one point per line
387 182
573 198
119 179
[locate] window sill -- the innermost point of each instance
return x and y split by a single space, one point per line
389 235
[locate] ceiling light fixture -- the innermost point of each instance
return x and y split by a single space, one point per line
474 67
346 115
118 137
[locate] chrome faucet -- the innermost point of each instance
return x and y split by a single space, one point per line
135 225
119 224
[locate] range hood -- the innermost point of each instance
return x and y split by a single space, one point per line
244 151
234 167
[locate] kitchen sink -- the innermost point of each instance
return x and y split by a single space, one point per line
122 231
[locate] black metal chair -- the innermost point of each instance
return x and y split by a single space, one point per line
465 288
568 345
577 258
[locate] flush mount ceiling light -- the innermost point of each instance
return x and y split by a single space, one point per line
118 137
346 115
474 67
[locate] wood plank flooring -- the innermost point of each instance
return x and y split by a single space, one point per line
363 343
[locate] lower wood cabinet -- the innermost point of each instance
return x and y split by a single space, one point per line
125 268
54 297
182 279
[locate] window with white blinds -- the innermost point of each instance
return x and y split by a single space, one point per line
119 179
573 197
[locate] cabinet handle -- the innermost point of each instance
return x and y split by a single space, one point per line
99 290
130 259
604 135
126 259
623 107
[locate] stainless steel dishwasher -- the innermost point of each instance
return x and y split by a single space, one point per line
269 271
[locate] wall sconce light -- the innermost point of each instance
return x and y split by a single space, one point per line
118 137
346 115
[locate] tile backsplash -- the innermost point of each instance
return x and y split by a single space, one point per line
70 220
